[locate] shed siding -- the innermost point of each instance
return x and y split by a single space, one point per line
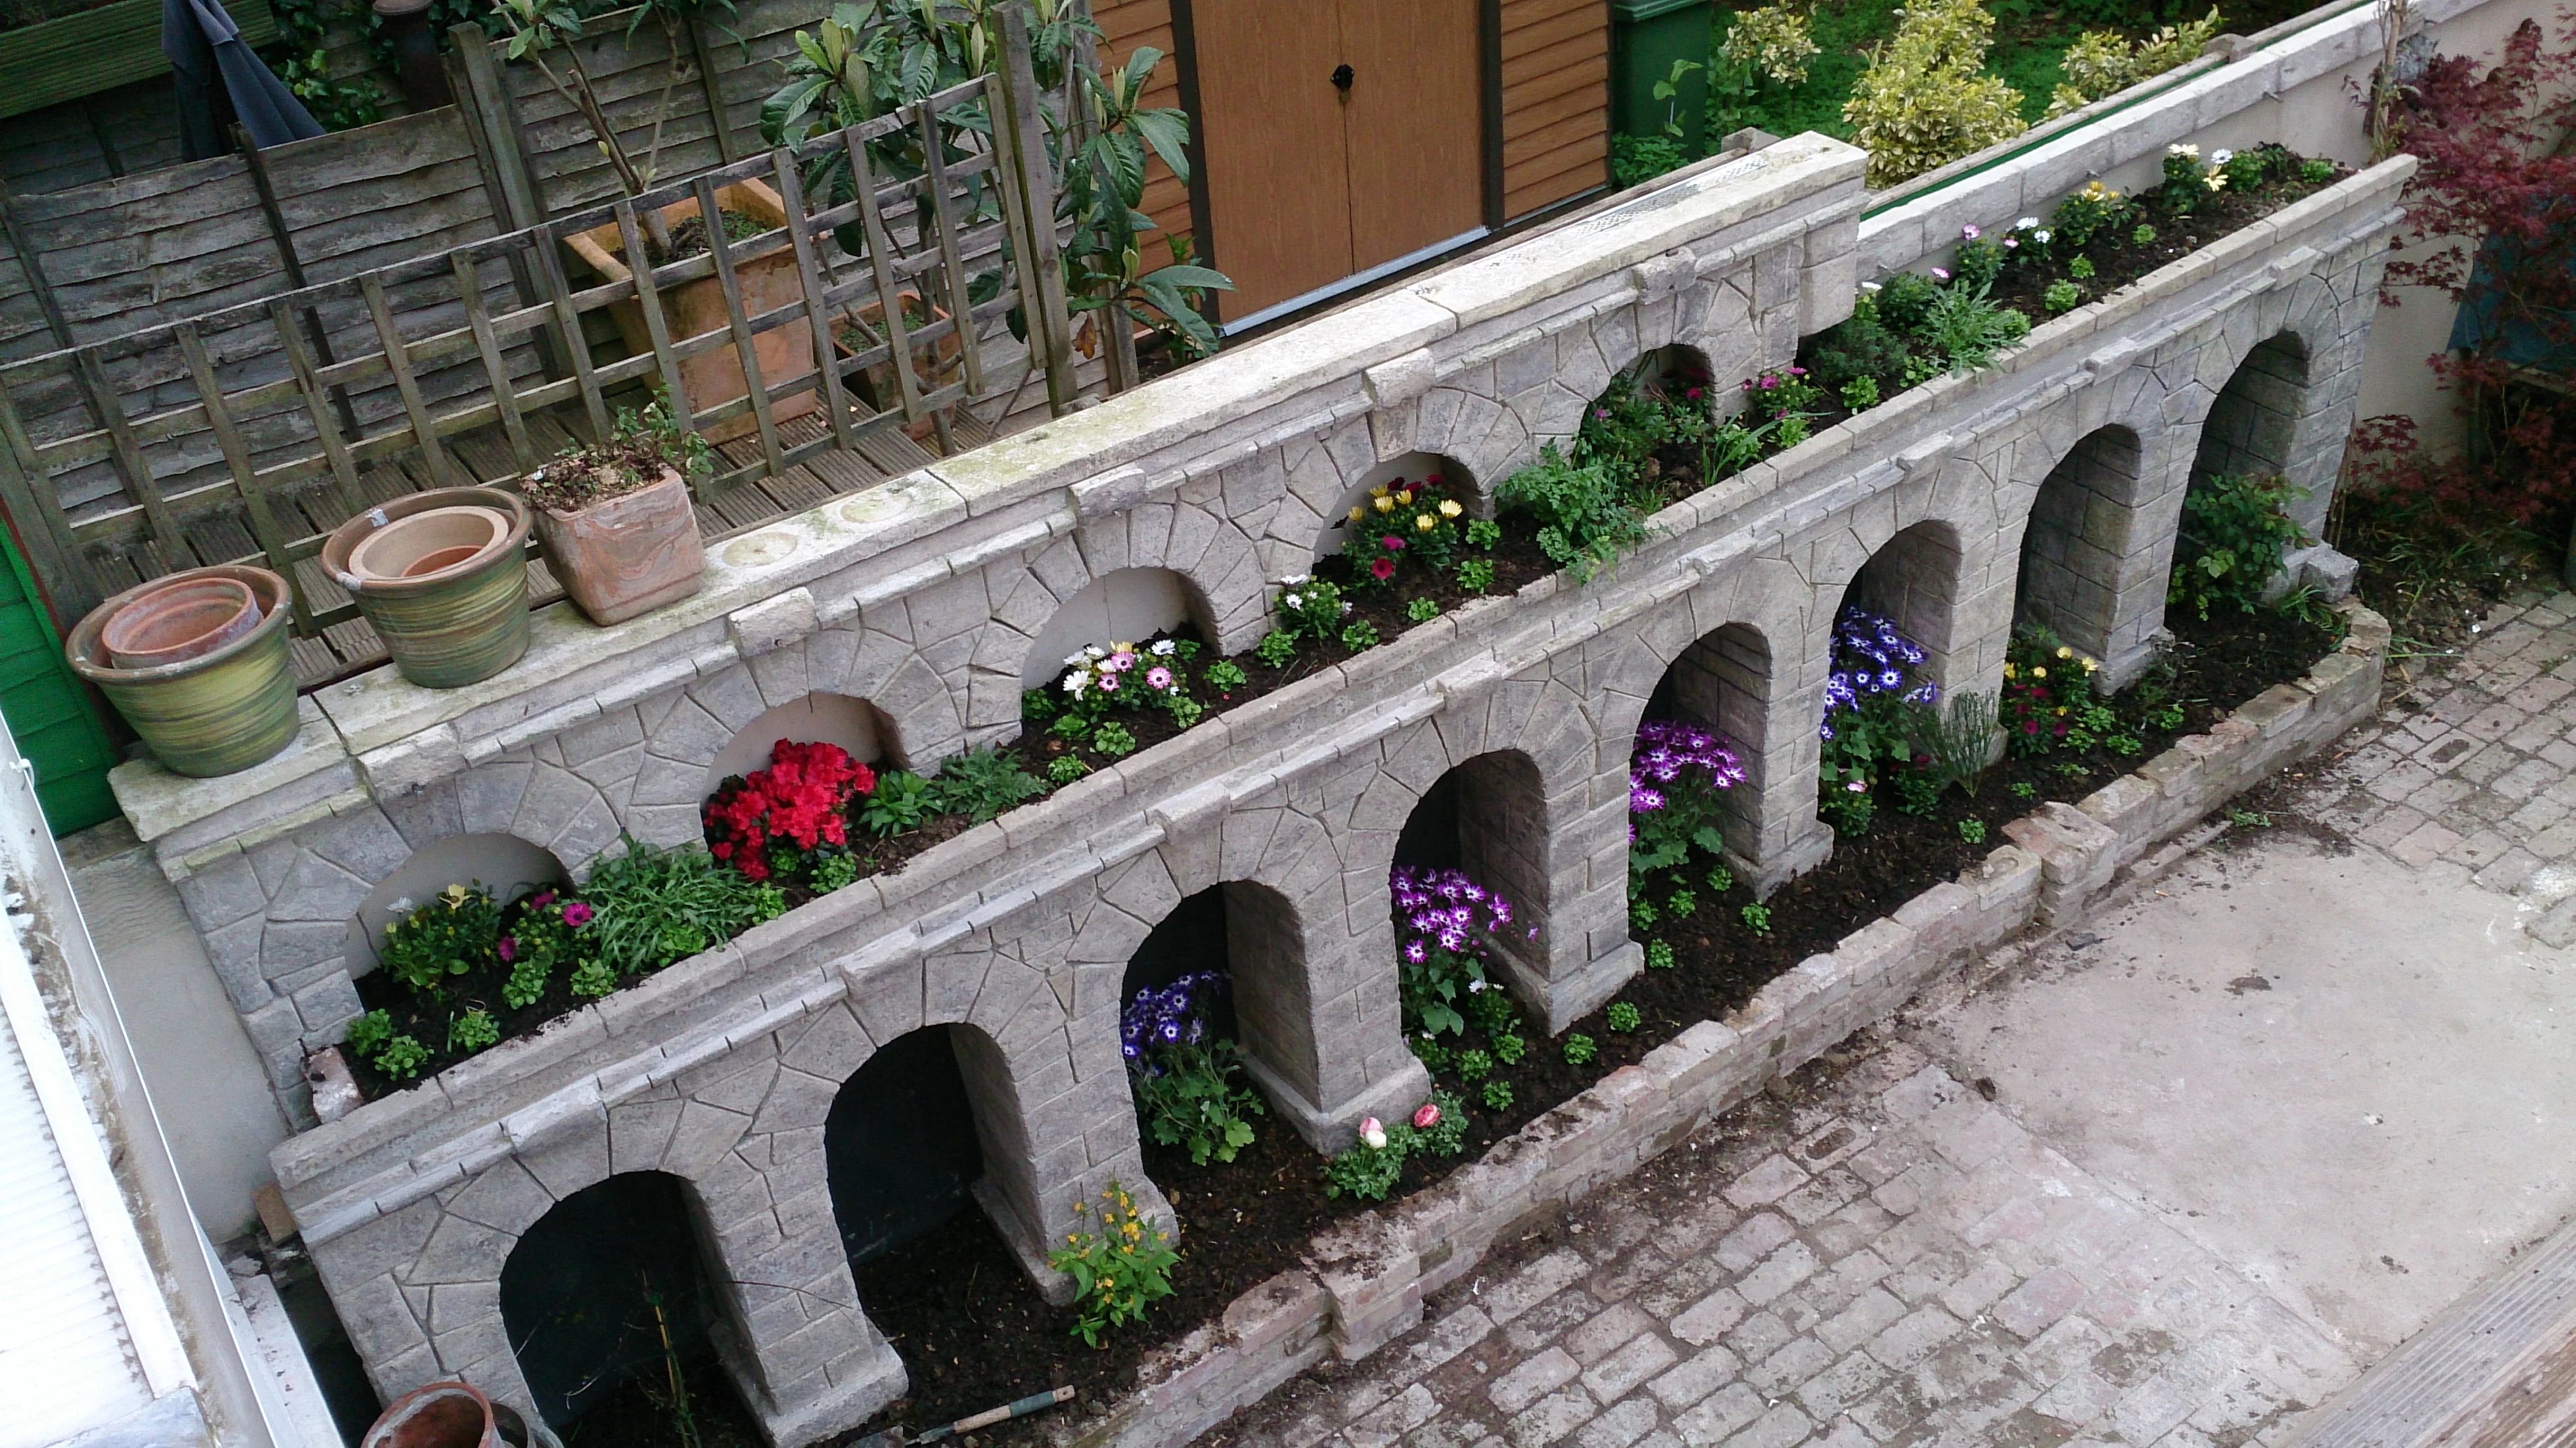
1556 101
1126 25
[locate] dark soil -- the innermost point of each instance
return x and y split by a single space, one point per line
689 238
974 1333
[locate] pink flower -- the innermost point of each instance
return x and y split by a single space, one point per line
1108 684
1382 569
1158 677
1373 1133
509 949
1122 661
1390 542
1426 1118
542 899
1970 231
1941 272
577 915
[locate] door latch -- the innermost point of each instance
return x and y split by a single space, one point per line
1343 75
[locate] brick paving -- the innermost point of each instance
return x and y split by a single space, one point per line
1876 1255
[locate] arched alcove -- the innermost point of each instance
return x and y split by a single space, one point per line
1488 817
854 724
2080 534
1129 604
1413 467
505 864
1250 933
612 1283
1914 580
1723 683
901 1145
2254 420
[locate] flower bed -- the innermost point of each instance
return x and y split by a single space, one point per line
1408 552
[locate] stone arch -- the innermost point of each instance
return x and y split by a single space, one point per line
2077 574
1725 682
579 1289
1251 933
1124 604
1407 467
854 724
1918 578
902 1144
2252 424
1487 815
505 863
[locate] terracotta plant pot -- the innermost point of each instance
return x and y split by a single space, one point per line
441 1415
695 308
627 555
443 577
216 712
178 618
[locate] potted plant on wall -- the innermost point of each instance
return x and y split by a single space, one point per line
614 516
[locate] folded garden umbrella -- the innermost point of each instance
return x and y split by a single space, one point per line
220 80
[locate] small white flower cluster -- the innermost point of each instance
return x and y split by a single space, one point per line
2031 226
1104 671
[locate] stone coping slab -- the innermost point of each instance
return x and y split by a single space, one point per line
407 1144
1366 1277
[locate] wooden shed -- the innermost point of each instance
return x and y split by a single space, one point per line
1338 141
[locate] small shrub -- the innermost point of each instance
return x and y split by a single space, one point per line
1682 904
1757 918
1065 769
1659 955
1925 100
1580 1049
2087 214
1473 1065
1509 1049
904 801
2104 62
1635 160
1584 518
1973 831
2081 268
1721 879
1497 1095
1225 676
1369 1167
983 783
2061 297
1622 1017
1276 648
1860 394
1118 1268
1359 635
1475 575
2145 235
1422 610
2234 531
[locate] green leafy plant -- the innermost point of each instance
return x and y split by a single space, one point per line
1195 1100
1359 635
1635 160
2081 268
1065 769
1642 916
1720 879
1623 1017
453 932
1973 831
1440 1127
369 1032
2094 211
2104 62
1497 1095
1860 394
642 443
1659 955
1757 918
1473 1065
656 906
401 1058
1682 904
1225 676
1120 1264
593 978
1369 1167
1112 739
1584 518
2061 297
901 801
2316 173
1967 328
1276 648
1422 610
1509 1049
2024 790
472 1030
1476 575
2145 235
1580 1049
1958 742
983 783
2235 527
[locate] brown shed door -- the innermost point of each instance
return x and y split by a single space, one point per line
1308 182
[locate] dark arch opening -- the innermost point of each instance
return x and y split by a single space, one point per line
2080 529
2253 423
1250 933
610 1286
1722 683
1488 817
901 1146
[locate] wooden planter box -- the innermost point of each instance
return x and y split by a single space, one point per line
80 55
714 378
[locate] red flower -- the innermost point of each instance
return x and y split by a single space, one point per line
1382 569
802 799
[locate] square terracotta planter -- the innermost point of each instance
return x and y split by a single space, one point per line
627 555
693 308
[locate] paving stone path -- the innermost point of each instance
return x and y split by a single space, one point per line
1879 1254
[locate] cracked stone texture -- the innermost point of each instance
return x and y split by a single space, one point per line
2249 1129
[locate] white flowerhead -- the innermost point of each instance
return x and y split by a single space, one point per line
1074 682
1094 651
1869 286
1163 648
2027 223
2183 148
2040 236
1074 659
1296 580
1294 600
2221 157
1373 1133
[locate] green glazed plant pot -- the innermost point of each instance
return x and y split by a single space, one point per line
443 577
218 713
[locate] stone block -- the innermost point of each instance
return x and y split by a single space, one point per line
1368 1268
772 622
2076 855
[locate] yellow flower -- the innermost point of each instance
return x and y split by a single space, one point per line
1450 508
2038 673
2091 664
1405 496
1358 512
2064 652
1424 522
456 893
1385 504
1378 492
